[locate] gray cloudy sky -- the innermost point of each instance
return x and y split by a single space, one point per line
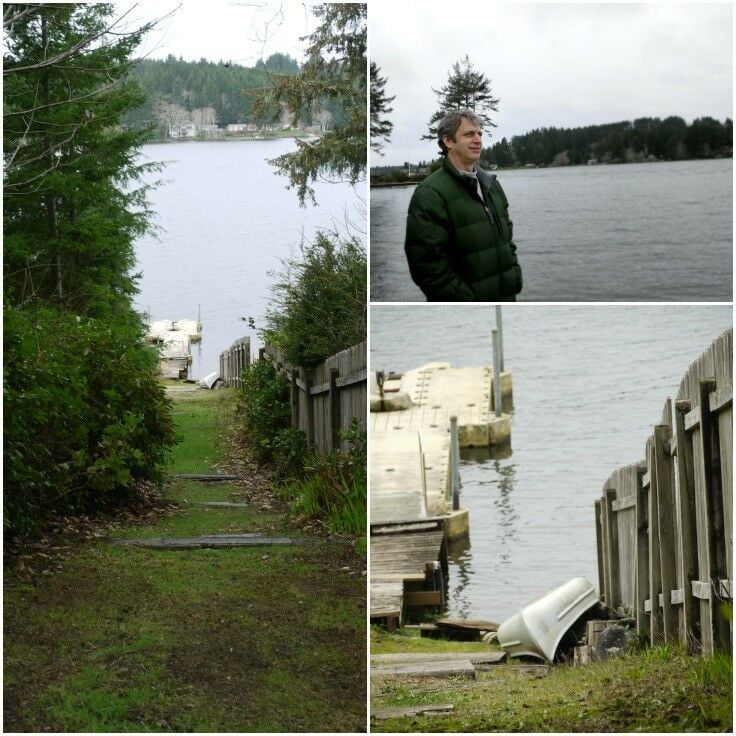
240 31
553 64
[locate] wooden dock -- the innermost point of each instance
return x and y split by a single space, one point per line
414 458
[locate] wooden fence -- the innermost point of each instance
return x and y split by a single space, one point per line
665 525
233 361
325 400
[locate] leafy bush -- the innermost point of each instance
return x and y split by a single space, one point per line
84 415
265 408
318 304
335 487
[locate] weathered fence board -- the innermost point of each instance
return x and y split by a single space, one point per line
234 361
664 526
325 400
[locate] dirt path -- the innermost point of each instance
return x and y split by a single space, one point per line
253 638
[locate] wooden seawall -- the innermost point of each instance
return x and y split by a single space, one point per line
665 525
418 424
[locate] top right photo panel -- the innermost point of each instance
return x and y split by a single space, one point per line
553 153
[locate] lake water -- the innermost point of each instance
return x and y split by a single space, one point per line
227 220
589 385
629 232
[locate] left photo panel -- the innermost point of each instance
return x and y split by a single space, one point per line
185 326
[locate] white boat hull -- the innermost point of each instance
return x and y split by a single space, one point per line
538 628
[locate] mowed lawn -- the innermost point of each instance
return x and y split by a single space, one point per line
242 639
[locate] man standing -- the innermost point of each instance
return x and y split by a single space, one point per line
459 239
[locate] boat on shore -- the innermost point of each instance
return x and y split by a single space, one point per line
538 629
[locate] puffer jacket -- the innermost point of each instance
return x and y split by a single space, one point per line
459 247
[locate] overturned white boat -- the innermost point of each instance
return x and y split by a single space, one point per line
537 629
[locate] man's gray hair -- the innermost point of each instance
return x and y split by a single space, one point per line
449 124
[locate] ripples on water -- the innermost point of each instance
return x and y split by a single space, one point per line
227 222
630 232
589 386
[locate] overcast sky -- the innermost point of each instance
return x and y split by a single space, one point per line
552 64
241 32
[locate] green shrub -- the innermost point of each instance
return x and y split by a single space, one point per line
264 407
84 415
318 304
289 451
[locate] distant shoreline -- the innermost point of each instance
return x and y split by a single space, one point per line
396 183
229 138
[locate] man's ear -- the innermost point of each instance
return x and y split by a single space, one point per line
446 138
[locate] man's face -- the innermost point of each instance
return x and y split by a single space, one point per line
466 147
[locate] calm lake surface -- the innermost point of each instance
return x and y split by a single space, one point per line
629 232
589 386
226 221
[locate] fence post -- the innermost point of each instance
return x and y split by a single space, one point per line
499 326
497 400
310 411
334 408
655 570
642 552
665 503
614 588
714 544
599 548
294 397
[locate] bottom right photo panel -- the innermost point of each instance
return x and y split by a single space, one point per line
551 518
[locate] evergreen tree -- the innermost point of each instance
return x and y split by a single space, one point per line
380 127
71 212
336 71
465 89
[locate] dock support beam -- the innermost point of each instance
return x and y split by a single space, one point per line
497 399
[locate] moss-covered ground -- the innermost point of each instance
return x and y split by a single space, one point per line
106 638
657 690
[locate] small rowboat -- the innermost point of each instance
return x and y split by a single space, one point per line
537 629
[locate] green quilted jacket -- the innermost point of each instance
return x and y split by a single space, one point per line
459 247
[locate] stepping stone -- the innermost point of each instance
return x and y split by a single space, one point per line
223 504
211 540
205 477
412 710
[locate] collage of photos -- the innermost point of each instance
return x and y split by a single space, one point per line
368 367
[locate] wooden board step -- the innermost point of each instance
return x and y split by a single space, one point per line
423 657
223 504
466 624
205 477
443 668
412 710
211 540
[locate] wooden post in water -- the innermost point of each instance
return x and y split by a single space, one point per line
497 400
455 463
499 327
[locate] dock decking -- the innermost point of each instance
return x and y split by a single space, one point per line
412 476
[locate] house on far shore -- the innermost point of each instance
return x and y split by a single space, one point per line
186 130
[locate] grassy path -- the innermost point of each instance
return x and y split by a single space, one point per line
242 639
657 690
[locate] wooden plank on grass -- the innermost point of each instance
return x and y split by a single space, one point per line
205 477
411 710
444 668
423 657
466 624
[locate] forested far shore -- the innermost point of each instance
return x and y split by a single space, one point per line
644 139
188 99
